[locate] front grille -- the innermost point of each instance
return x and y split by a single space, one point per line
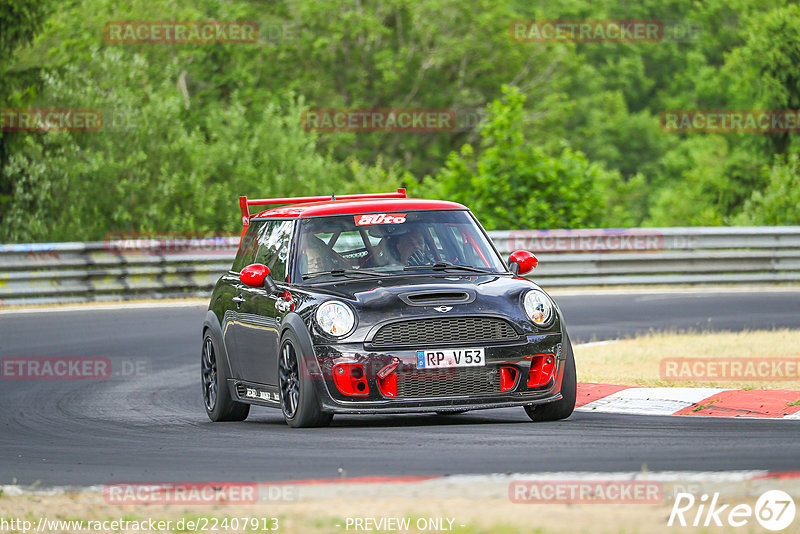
445 330
450 382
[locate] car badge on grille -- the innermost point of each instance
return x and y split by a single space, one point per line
443 309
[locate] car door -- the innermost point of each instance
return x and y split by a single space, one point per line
233 295
257 332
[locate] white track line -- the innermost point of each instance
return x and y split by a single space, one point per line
596 343
106 307
669 291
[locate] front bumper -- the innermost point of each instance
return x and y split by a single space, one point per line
442 396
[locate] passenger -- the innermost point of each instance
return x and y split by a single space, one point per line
317 255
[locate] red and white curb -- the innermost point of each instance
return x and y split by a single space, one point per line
713 402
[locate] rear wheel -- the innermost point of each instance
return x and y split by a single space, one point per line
553 411
217 399
299 402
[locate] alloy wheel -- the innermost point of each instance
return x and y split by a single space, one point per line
290 380
209 369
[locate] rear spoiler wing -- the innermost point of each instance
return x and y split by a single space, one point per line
245 203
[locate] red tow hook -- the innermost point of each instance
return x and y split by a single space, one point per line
389 369
387 379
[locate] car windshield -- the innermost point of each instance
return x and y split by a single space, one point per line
394 242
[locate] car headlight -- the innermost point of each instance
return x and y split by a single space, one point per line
335 318
539 307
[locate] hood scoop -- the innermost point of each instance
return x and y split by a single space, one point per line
434 298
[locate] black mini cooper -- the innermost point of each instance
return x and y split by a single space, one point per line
379 304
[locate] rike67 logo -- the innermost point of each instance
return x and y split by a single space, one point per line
774 510
380 218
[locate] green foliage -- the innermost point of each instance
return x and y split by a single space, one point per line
778 203
19 22
769 57
577 142
147 171
513 184
20 19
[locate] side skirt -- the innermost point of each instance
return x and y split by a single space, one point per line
252 393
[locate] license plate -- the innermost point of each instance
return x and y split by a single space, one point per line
436 359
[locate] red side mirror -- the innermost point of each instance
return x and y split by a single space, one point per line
522 262
254 275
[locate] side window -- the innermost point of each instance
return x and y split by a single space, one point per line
248 247
273 247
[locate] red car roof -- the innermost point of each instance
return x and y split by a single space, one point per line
346 207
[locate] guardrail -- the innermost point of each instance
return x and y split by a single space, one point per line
112 270
157 268
690 255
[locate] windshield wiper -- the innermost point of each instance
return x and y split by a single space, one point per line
339 272
446 266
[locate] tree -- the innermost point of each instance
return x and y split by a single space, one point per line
147 171
778 203
19 20
764 71
513 184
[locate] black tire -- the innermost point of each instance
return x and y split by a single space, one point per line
554 411
299 402
217 399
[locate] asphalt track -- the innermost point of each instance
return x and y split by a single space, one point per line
149 425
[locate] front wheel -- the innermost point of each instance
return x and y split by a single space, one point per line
299 401
553 411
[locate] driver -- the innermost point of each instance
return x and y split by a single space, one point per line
410 248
